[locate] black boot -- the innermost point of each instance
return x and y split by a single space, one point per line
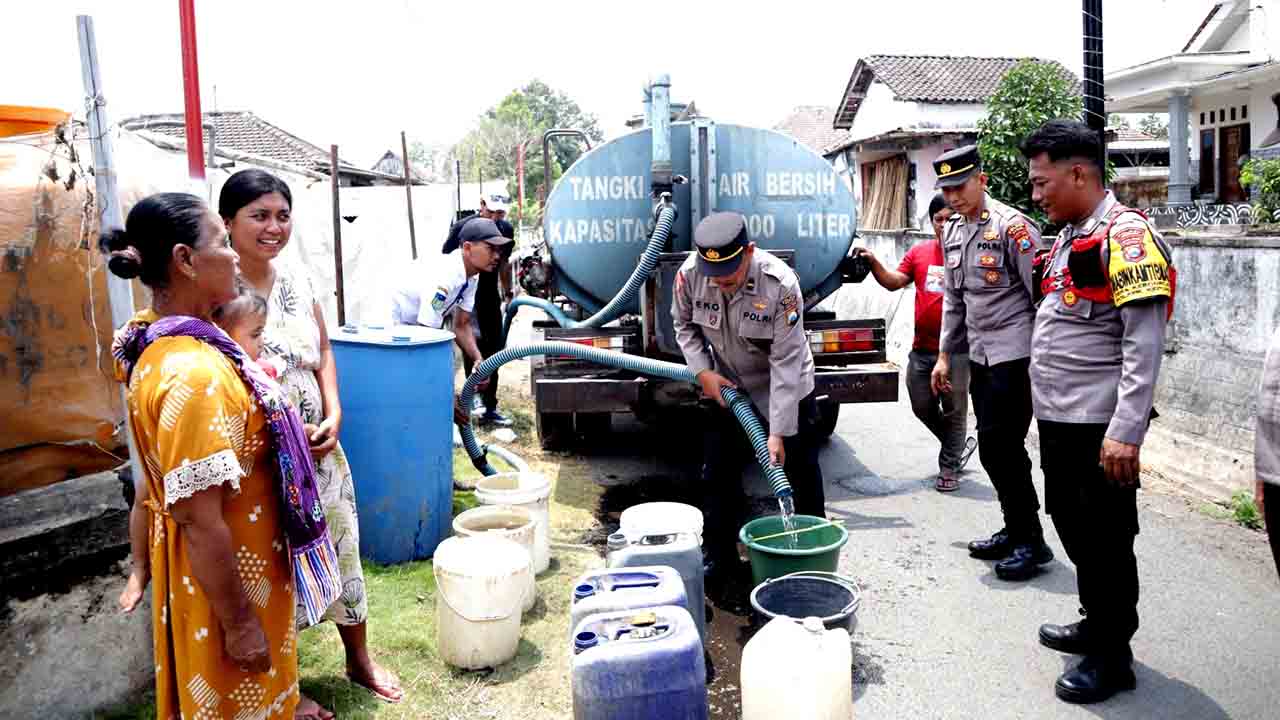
1072 639
1096 678
1025 560
994 548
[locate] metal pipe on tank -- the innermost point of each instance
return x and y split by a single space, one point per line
660 117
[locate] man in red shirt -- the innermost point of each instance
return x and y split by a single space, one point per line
944 415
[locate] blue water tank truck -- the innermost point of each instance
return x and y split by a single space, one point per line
597 225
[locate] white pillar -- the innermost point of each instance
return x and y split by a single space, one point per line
1179 150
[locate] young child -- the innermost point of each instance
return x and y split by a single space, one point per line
244 319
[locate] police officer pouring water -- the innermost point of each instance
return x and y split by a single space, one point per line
1108 290
739 322
989 248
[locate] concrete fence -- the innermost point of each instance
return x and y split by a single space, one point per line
1227 306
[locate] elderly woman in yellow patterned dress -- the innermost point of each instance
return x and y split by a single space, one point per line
237 530
258 210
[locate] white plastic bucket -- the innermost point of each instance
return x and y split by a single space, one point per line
509 521
531 491
660 518
480 582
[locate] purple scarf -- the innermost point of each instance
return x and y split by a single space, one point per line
314 561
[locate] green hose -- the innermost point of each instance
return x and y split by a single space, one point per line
738 402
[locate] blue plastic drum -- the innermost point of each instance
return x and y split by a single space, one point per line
397 408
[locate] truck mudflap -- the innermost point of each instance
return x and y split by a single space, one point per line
872 382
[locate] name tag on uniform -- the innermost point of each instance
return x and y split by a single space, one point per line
953 261
933 279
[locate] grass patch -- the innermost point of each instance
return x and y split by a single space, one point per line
1240 509
1245 511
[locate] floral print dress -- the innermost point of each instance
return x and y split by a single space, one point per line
293 338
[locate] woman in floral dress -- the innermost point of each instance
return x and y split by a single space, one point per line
257 208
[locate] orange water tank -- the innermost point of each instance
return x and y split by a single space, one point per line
22 120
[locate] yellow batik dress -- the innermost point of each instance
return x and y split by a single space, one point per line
197 426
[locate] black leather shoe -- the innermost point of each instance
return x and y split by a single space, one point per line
1071 639
994 548
1025 561
1095 679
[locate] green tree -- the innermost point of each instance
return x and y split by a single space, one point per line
490 149
1116 120
1030 94
435 162
1155 125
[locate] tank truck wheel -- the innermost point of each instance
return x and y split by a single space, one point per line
828 414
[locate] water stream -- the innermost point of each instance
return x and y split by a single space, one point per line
787 509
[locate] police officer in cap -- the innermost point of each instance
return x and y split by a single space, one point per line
739 322
1108 290
989 248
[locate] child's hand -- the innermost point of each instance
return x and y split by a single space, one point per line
131 596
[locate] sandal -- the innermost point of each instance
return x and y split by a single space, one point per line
946 482
970 444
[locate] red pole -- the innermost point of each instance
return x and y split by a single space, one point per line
191 90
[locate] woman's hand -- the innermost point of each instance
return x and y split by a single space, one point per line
246 645
323 437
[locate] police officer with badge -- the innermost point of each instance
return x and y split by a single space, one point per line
989 248
739 321
1108 286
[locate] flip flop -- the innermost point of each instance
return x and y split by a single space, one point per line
376 691
970 444
946 483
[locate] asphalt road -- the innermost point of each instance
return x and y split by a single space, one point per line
939 636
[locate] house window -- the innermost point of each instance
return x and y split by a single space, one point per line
1207 165
1233 114
1222 115
1213 116
1201 118
1244 112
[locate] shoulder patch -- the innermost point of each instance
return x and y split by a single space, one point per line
1137 268
1021 237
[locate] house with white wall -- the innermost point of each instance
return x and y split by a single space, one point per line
901 112
1221 92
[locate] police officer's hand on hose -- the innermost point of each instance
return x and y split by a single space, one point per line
1120 462
711 382
777 450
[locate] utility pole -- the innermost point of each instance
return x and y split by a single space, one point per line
1095 108
408 194
337 235
110 217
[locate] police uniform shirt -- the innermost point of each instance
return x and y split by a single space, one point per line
431 288
1097 361
987 284
758 333
1266 455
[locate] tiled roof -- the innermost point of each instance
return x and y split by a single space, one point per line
811 126
931 79
247 133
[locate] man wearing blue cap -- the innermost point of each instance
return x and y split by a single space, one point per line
988 303
738 318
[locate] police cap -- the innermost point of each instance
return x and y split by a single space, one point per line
955 166
721 241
